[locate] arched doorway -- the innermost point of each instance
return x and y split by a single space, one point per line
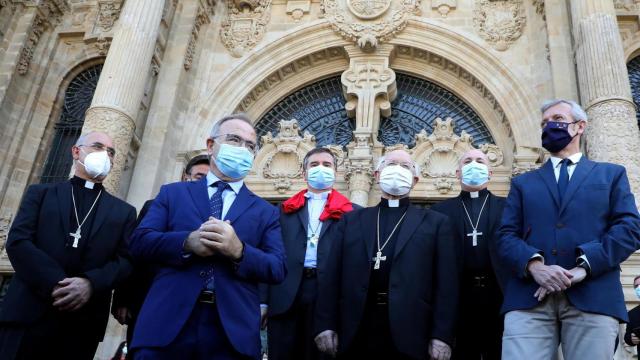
633 67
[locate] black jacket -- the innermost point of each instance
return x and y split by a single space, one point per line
634 322
36 247
423 285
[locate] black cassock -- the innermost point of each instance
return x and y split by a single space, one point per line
391 312
41 251
480 325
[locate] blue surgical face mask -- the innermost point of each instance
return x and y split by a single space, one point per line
234 161
475 174
320 177
637 290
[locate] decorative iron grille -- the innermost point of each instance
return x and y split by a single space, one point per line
319 109
77 99
418 104
633 67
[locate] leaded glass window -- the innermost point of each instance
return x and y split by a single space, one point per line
634 79
319 109
418 104
77 99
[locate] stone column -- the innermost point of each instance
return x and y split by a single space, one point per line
370 86
612 134
120 89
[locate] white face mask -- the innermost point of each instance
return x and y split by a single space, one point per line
96 164
396 180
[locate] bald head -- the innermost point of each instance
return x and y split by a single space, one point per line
397 157
467 158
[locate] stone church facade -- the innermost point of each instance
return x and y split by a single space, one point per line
361 77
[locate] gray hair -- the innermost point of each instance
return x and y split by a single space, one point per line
416 167
576 110
215 130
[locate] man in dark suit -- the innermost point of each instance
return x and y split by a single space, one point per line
391 287
68 248
632 334
566 229
213 241
128 298
475 214
305 218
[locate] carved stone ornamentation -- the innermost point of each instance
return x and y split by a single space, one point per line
539 6
499 22
626 5
5 224
438 154
359 175
444 7
369 22
202 17
108 13
281 157
297 8
244 25
102 44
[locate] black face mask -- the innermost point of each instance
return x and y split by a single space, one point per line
555 136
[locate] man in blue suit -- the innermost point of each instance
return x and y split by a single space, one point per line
565 230
213 241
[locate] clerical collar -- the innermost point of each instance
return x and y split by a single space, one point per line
317 196
387 203
474 195
82 183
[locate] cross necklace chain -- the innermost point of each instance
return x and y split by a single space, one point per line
76 235
314 233
474 234
379 256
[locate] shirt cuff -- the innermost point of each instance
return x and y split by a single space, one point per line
264 306
535 256
583 262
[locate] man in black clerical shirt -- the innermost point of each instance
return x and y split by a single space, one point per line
68 248
390 288
475 214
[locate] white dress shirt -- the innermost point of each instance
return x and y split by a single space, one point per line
228 195
315 206
570 168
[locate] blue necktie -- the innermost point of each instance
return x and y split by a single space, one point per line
216 211
563 178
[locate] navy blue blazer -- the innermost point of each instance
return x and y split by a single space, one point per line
179 209
597 217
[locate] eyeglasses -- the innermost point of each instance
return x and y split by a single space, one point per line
236 140
406 165
97 146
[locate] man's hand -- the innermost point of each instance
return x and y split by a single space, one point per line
577 275
195 246
439 350
122 314
220 237
263 316
634 339
327 342
552 278
71 293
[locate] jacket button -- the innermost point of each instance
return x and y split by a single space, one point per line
203 273
559 225
554 252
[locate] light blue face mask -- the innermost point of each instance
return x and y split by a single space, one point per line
320 177
637 290
475 174
234 161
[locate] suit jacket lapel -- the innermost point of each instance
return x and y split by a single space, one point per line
583 168
408 227
64 201
103 210
303 217
243 201
200 197
547 174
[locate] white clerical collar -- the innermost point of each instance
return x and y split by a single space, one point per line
89 184
235 186
317 196
474 194
574 159
394 203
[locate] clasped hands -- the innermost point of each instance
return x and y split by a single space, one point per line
553 278
70 294
215 237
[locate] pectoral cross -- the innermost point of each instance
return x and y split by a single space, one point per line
377 259
314 241
475 234
76 236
